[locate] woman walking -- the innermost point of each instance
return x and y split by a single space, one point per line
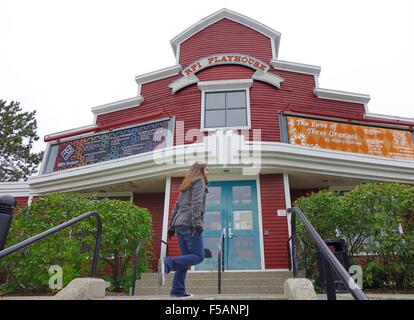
187 222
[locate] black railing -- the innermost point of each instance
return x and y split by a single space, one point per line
305 259
220 261
334 266
136 254
40 236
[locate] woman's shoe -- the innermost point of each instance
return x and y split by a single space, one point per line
181 295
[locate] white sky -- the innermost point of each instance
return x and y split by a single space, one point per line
64 57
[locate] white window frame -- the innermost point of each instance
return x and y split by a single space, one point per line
225 85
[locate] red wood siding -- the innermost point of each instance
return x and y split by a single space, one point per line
275 244
20 202
225 36
266 101
185 105
154 202
173 248
225 72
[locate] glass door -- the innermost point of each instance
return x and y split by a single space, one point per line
232 206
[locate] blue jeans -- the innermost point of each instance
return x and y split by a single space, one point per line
192 253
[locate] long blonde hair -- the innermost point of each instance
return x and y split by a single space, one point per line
196 171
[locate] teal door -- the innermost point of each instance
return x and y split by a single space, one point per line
231 206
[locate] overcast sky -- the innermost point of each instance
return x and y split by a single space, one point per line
62 58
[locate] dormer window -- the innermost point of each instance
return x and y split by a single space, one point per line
225 104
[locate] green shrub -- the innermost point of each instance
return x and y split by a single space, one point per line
368 218
124 226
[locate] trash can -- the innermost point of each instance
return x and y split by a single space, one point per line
339 249
7 203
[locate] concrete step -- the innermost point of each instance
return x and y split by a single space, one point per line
245 290
213 282
225 275
249 282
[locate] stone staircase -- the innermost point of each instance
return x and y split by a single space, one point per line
245 283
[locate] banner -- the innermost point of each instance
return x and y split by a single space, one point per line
111 145
375 141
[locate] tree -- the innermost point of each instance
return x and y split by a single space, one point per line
17 134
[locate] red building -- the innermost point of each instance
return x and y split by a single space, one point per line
268 132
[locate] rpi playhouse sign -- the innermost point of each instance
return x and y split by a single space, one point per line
262 69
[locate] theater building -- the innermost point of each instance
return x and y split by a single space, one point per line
268 132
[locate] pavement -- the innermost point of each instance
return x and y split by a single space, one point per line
224 297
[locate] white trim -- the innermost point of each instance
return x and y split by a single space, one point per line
260 218
14 189
295 67
288 202
90 126
276 157
158 74
231 15
388 117
118 105
29 202
165 214
225 85
139 88
316 78
229 177
273 45
177 58
44 159
341 95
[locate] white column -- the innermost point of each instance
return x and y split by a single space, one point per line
288 204
166 213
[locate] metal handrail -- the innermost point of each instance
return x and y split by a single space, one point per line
334 264
136 254
40 236
220 261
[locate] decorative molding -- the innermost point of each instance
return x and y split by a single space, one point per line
231 15
15 189
237 84
295 67
118 105
261 74
158 74
341 95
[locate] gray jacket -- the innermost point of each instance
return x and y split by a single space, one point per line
189 208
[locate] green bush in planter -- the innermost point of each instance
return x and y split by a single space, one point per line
124 226
368 218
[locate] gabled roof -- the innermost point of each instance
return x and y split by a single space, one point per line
231 15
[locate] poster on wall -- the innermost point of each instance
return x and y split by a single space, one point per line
375 141
110 145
